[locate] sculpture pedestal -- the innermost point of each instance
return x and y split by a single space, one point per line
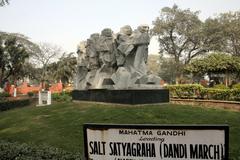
130 96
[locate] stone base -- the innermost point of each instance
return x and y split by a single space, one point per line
132 96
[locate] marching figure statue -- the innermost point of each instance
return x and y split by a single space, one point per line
116 63
82 63
125 46
92 54
141 41
107 49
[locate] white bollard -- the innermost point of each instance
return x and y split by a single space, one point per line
49 99
39 98
15 92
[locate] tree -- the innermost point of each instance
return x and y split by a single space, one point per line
12 47
65 68
12 59
29 71
48 54
4 2
230 24
153 63
3 61
214 35
168 69
180 35
215 63
223 32
23 40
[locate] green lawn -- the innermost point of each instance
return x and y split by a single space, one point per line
60 125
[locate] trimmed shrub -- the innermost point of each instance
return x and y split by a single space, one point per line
4 95
198 91
10 104
185 90
30 94
203 93
220 86
218 94
236 86
9 150
235 94
62 97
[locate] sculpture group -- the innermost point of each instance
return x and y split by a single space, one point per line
115 61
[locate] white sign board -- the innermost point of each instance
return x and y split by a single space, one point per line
44 98
148 142
44 95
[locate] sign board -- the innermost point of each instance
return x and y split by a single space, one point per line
44 98
155 142
44 95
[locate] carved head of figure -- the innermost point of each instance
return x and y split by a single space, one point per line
144 28
94 36
93 39
126 30
107 32
81 48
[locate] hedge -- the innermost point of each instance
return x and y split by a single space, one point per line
17 151
4 95
236 86
185 90
200 92
62 97
10 104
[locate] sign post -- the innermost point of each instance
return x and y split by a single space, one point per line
155 142
44 98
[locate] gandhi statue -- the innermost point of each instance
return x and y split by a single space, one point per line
125 46
107 49
92 54
141 41
82 63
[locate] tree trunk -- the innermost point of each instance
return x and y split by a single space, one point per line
178 73
1 78
227 79
177 79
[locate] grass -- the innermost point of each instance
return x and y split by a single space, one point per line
60 125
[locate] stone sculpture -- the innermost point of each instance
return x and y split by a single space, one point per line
82 64
115 62
125 46
91 50
141 41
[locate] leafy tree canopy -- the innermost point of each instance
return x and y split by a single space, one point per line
223 32
179 33
215 63
230 23
4 2
21 39
64 69
12 59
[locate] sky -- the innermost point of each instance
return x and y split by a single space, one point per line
67 22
